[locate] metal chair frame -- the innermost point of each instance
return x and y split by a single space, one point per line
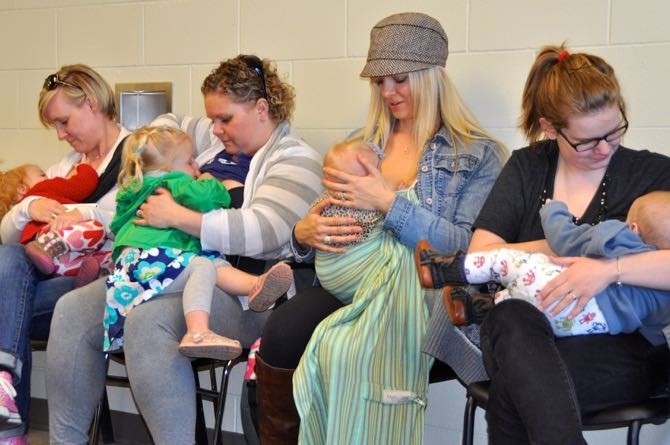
655 410
216 394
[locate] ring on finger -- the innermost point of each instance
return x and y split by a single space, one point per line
138 213
343 196
327 239
53 215
573 296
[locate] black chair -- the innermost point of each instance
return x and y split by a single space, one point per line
102 423
631 415
215 393
441 372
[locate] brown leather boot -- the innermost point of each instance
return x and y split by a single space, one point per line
436 270
464 308
278 421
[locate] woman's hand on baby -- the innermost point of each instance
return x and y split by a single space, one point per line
158 210
63 220
45 210
324 232
369 192
582 279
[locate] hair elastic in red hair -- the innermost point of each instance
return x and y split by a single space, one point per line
562 55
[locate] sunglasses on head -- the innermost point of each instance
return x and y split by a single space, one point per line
255 64
52 82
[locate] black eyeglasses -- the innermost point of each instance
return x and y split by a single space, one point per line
612 137
255 64
52 81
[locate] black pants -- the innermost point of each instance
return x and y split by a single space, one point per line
540 384
291 324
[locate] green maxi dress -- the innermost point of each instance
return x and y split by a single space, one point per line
363 378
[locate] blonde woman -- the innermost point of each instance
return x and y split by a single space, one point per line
437 168
79 104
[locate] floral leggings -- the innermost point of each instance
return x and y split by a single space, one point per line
74 243
524 274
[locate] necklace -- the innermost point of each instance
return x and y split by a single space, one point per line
602 204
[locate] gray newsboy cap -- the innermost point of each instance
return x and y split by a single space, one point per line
405 42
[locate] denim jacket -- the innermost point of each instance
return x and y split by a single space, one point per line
451 186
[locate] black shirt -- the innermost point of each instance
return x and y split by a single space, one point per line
511 210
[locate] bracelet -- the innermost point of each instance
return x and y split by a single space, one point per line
618 272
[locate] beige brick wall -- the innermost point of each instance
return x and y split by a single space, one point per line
320 46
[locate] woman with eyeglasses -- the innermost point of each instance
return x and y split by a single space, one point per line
250 109
79 104
573 115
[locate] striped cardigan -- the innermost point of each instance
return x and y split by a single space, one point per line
284 178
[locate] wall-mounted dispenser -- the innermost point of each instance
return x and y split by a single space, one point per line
140 103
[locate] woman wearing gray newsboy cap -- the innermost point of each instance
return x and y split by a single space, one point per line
363 378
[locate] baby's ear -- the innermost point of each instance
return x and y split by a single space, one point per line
21 191
634 227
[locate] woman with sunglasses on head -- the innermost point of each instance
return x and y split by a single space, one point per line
573 115
250 108
362 377
79 104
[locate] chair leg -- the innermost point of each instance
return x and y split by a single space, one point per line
106 427
469 421
200 426
102 410
634 433
95 426
221 402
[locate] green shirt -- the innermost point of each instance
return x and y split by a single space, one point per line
202 196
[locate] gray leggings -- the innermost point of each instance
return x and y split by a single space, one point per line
197 283
161 378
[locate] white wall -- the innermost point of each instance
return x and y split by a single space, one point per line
320 46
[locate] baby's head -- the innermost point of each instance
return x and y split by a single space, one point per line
345 156
15 183
151 149
649 217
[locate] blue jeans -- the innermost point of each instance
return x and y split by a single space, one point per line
24 290
160 377
541 385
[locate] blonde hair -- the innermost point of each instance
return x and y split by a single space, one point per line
351 148
435 102
150 149
561 84
651 213
79 82
10 181
237 80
